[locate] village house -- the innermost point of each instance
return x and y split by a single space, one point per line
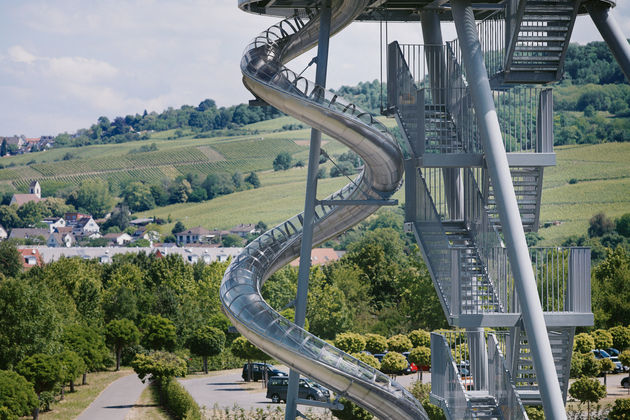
3 234
30 258
33 234
195 235
85 226
57 240
121 238
73 217
243 230
54 223
35 194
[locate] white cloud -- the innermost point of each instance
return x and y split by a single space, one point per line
80 69
18 54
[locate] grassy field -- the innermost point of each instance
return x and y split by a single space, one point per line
600 174
587 179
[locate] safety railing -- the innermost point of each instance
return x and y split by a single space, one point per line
426 87
491 32
447 387
489 246
563 278
430 233
500 382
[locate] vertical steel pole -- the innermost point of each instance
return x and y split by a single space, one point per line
610 31
496 159
309 206
436 66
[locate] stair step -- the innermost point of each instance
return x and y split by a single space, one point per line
540 28
545 16
533 69
536 38
519 58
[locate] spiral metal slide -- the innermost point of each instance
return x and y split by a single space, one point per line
265 75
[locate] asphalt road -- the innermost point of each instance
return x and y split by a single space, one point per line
116 400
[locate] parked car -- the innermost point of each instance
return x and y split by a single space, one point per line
625 382
258 370
603 354
613 352
411 367
278 386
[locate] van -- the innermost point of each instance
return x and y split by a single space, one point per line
277 388
258 371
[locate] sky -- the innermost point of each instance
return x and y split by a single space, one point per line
64 63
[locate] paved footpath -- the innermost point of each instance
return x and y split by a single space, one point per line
115 402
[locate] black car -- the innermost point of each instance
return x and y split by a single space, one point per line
278 386
258 371
625 382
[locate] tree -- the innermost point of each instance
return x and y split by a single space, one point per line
393 363
137 195
375 343
179 191
368 359
421 356
600 225
17 396
43 371
93 197
10 259
583 343
179 227
619 411
9 218
611 289
29 320
350 342
253 180
584 364
602 339
205 342
351 411
161 366
399 343
72 366
343 168
420 338
622 225
218 184
620 336
587 390
121 333
3 148
158 333
282 162
88 344
231 240
327 310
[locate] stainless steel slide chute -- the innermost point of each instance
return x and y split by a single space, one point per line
265 75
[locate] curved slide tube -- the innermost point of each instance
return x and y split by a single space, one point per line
265 75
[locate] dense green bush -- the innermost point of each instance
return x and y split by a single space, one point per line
620 410
393 363
375 343
420 338
178 401
399 343
351 411
602 339
17 396
350 342
621 337
583 343
367 359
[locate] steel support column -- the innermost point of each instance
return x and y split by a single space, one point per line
436 67
309 207
610 31
498 167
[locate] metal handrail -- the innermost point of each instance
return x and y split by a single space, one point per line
500 382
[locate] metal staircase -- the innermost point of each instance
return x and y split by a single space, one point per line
451 208
540 38
528 188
